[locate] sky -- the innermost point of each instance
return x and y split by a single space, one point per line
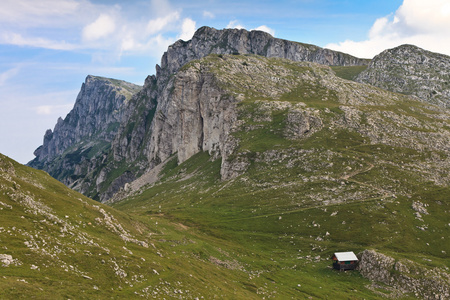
48 47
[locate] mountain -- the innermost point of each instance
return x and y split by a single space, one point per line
106 141
411 70
208 40
254 170
80 143
294 163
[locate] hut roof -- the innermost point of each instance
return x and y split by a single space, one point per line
345 256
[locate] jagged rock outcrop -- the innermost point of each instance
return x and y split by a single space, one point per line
404 276
208 40
79 144
110 130
96 113
411 70
135 126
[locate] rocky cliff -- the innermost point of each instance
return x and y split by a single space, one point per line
96 113
218 104
111 136
187 112
411 70
205 41
80 142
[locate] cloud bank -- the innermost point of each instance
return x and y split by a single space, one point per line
422 23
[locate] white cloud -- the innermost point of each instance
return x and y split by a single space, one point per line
102 27
187 29
37 13
429 16
107 31
265 29
208 15
423 23
17 39
5 76
235 24
158 24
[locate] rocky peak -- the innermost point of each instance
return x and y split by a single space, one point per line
96 109
411 70
207 40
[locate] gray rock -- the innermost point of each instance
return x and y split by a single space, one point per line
7 260
402 275
79 143
411 70
96 109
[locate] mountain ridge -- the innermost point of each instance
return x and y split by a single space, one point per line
129 147
208 40
136 143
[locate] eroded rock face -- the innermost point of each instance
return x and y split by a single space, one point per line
110 127
193 115
402 275
301 123
411 70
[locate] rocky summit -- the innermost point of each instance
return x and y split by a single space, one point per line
248 158
411 70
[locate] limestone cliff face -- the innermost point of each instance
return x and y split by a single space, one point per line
185 111
411 70
193 115
135 126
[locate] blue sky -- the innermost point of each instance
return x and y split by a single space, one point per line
48 47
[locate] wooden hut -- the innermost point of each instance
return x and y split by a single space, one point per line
344 260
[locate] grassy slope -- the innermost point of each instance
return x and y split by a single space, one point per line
332 191
267 233
348 72
286 243
62 248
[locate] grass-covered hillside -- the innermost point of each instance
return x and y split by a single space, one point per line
58 244
330 165
314 164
